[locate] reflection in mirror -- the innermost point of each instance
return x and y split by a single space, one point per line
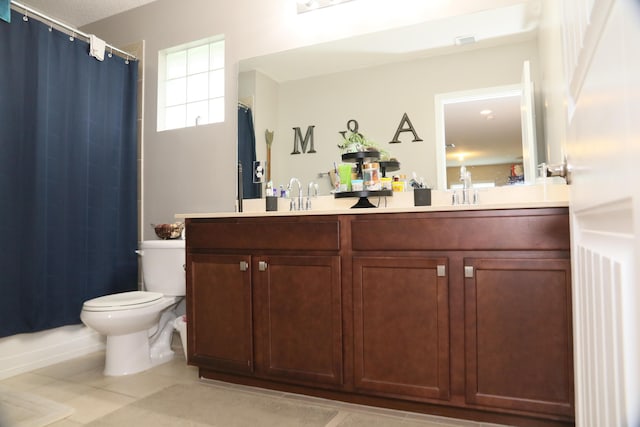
481 130
489 131
376 79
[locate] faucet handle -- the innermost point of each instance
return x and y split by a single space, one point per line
312 187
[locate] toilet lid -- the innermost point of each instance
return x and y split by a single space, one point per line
123 299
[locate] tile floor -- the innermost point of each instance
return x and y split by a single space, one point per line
79 383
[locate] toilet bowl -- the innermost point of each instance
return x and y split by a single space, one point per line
139 324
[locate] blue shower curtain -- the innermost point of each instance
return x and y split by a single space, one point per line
68 204
247 152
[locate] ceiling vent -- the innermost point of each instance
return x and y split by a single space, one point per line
462 40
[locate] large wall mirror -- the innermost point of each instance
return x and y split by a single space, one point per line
491 132
378 78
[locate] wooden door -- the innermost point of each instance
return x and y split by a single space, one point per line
298 318
518 338
219 320
401 326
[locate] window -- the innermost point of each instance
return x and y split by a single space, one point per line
191 84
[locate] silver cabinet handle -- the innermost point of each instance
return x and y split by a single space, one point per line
441 270
468 271
244 265
262 266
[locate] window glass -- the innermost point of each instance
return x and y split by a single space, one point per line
191 84
216 56
176 92
198 59
197 87
216 84
176 65
198 113
175 117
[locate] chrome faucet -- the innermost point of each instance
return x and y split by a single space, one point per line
312 186
292 202
465 178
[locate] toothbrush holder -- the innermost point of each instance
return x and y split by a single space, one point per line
421 197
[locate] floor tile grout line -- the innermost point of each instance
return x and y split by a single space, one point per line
338 419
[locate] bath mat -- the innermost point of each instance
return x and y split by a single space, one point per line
21 409
205 405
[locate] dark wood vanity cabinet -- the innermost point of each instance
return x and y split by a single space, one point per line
518 338
507 342
220 320
298 318
265 312
463 313
401 326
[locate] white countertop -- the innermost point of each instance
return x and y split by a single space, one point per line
515 197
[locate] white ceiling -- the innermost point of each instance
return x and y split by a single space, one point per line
77 13
516 22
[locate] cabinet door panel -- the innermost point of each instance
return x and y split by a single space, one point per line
401 332
299 322
219 314
518 334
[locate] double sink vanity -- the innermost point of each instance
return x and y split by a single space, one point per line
460 311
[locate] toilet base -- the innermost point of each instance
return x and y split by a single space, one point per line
137 352
127 354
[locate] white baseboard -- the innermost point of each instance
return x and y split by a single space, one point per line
26 352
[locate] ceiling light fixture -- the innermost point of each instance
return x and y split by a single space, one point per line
486 112
309 5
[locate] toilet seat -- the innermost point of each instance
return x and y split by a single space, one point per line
123 301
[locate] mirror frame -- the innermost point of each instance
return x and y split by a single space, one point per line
443 99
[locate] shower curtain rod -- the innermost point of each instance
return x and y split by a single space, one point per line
75 31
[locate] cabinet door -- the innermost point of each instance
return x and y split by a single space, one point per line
298 318
518 334
219 312
401 321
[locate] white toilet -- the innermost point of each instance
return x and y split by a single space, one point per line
139 324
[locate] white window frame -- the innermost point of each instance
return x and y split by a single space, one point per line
162 121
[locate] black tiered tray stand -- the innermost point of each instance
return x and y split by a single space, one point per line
388 166
359 158
363 196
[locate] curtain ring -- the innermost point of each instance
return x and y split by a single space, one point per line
72 37
110 51
25 18
127 60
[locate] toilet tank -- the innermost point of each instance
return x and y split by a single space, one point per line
163 266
